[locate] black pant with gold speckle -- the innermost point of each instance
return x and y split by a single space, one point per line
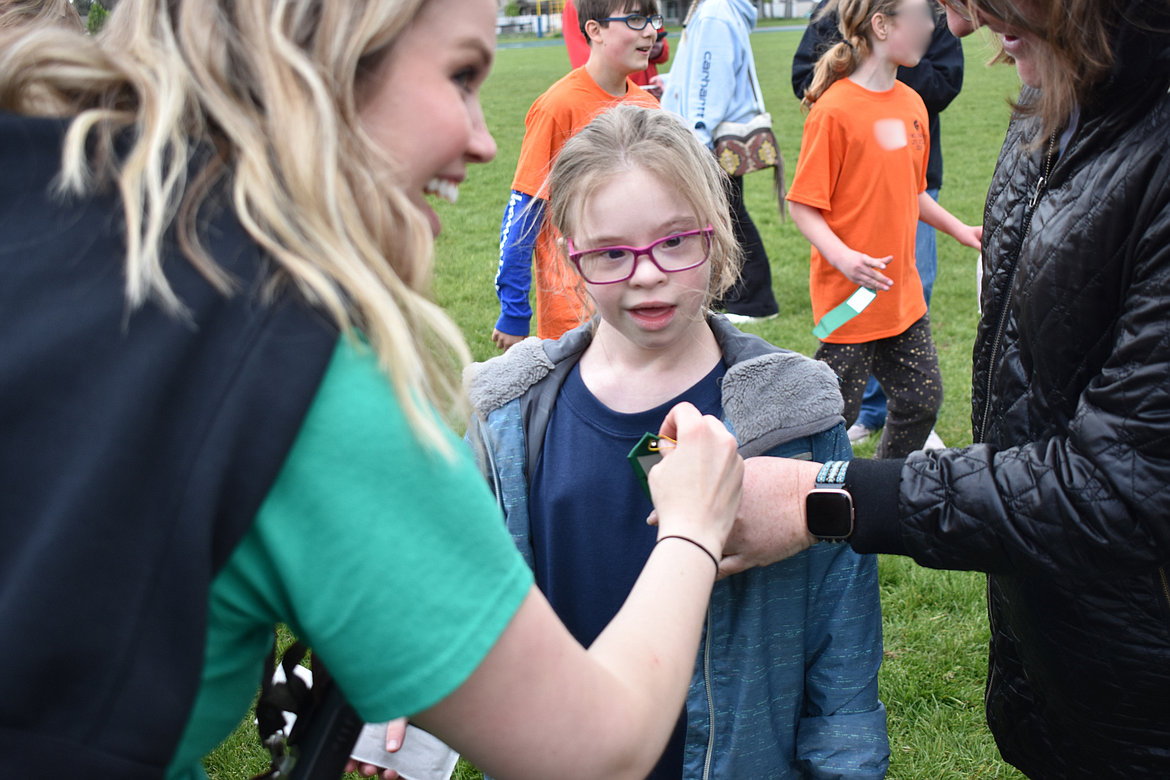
906 366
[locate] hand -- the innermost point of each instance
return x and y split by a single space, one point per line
697 484
863 270
771 524
505 340
970 235
395 734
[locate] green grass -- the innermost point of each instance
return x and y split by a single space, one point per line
935 622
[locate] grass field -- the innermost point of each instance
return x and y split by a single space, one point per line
934 622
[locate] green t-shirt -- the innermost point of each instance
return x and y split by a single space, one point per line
390 561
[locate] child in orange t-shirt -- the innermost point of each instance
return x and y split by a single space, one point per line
858 193
621 34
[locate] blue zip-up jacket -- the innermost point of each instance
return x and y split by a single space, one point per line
785 683
709 80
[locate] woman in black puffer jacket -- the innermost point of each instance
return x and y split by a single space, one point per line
1064 499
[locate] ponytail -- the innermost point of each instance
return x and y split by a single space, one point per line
835 64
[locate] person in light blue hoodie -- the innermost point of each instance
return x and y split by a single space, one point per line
711 81
785 682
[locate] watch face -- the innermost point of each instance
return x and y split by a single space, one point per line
830 514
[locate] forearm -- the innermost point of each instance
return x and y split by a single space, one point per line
518 232
812 225
937 217
874 486
541 706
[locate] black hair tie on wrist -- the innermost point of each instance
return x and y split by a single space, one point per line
710 555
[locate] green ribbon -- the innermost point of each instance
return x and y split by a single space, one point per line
855 304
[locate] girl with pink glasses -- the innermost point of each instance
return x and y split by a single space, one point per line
785 682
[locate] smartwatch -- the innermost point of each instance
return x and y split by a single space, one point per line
829 507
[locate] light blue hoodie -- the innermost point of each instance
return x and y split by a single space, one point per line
710 80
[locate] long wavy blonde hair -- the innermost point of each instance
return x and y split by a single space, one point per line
273 88
39 12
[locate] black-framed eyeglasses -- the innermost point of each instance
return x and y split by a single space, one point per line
638 21
670 254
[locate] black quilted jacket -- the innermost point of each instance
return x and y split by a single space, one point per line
1065 497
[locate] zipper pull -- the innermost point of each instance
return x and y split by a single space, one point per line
1037 192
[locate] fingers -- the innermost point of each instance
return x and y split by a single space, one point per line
395 734
872 275
505 340
670 426
697 485
732 564
866 271
369 770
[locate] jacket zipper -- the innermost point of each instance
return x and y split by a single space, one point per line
1037 192
710 699
991 666
497 487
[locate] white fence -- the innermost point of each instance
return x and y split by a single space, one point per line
545 24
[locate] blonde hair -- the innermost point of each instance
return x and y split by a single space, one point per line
270 91
15 13
627 137
855 23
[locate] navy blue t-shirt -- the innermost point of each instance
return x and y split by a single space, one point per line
588 513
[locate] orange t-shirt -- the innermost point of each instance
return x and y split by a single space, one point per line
555 117
863 164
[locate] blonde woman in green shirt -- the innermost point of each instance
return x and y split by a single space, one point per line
221 374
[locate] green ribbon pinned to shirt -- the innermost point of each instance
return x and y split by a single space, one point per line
855 304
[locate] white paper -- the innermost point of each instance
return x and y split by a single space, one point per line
422 756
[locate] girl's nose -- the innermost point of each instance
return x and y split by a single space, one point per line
481 147
646 273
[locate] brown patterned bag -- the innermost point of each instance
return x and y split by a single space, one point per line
744 147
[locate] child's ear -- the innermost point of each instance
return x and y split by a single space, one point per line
880 24
593 30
